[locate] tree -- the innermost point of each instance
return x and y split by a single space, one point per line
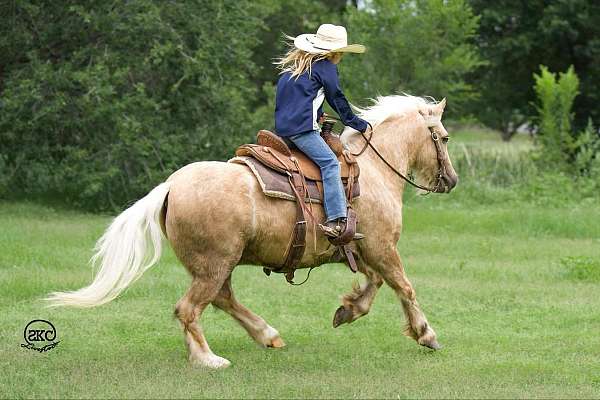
516 36
424 47
101 101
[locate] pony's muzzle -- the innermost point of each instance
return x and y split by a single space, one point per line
449 181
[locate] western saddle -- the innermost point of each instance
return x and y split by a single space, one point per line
289 174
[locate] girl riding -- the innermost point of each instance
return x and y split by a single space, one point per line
309 76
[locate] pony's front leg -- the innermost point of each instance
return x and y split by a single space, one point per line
358 302
391 269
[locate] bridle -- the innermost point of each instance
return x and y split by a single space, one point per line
439 184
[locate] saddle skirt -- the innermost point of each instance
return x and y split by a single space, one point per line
272 161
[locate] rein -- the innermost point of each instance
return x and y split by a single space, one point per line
436 141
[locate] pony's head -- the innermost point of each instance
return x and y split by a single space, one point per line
417 122
433 163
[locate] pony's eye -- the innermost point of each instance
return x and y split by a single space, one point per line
445 139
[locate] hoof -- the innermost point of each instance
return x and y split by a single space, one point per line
342 316
276 343
433 345
269 337
212 362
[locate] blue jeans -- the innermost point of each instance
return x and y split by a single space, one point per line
313 145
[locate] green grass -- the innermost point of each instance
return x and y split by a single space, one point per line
492 279
483 137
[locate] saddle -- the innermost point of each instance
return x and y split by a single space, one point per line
289 174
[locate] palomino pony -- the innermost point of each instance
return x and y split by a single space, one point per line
215 216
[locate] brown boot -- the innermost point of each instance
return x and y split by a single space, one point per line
337 227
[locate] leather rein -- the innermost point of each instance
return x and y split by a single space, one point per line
436 141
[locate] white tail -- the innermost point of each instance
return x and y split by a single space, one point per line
131 244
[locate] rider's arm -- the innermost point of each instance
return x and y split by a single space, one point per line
327 75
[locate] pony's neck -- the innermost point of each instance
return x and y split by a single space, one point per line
394 140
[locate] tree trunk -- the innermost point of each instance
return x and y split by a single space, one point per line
507 134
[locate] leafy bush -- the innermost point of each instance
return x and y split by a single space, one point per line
587 158
560 148
555 98
100 101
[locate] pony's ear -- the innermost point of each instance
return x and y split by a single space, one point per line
439 107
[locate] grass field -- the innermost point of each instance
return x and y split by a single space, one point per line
511 287
512 292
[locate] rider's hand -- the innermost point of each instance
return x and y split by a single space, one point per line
367 128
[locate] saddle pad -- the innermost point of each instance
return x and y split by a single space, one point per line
276 184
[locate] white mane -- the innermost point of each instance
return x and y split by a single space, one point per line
384 107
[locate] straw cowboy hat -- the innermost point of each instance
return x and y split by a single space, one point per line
329 38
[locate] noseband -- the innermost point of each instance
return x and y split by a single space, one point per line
439 184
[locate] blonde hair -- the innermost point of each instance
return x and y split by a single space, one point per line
297 61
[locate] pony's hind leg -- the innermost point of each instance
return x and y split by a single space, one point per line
256 327
188 310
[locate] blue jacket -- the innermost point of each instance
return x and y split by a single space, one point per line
299 102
